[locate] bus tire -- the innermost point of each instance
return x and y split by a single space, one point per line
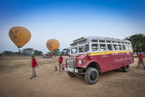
91 75
71 74
126 68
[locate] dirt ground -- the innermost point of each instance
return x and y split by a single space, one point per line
15 73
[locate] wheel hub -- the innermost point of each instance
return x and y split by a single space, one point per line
93 76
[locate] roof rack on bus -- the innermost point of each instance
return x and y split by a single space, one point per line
78 40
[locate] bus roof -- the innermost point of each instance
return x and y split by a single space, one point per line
104 38
98 38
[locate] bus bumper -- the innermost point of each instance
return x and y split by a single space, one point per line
73 70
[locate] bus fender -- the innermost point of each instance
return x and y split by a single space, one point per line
94 64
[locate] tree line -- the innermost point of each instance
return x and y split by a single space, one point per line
58 52
26 51
31 51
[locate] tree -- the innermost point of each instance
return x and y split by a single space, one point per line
66 51
8 53
49 53
27 51
36 52
138 42
62 53
11 53
55 52
17 53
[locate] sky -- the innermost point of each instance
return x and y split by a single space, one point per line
67 20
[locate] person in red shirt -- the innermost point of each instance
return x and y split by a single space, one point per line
34 64
140 60
60 63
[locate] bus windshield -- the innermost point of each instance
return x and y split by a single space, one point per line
79 49
74 50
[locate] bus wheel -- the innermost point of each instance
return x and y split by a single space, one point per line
126 68
71 74
91 75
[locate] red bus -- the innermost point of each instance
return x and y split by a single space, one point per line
92 55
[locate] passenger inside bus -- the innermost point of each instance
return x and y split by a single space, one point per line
115 47
95 47
81 49
103 47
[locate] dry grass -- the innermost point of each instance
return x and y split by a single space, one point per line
15 63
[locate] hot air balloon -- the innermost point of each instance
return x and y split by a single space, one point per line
20 36
52 44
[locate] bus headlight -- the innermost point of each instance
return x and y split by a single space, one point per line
80 61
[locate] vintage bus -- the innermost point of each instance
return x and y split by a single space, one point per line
92 55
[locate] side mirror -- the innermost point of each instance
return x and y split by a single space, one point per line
87 48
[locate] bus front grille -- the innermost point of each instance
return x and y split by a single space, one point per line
71 62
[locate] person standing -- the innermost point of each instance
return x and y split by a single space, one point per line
60 63
34 64
140 55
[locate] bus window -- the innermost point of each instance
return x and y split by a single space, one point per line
74 44
124 47
131 47
127 47
114 41
103 47
115 47
109 46
82 42
82 49
94 40
119 47
95 47
108 41
102 40
74 50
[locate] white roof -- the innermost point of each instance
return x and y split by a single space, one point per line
104 38
97 38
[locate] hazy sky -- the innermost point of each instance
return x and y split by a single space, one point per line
67 20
